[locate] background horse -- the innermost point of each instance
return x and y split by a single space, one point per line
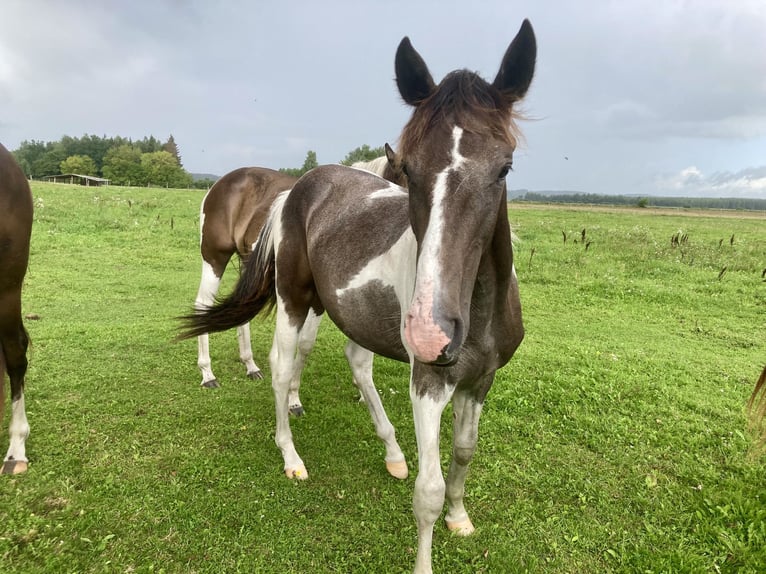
232 214
15 233
757 409
425 276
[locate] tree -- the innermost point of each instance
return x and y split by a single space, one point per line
363 153
79 164
162 169
28 153
172 148
309 163
50 162
122 165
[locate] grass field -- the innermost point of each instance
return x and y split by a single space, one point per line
615 440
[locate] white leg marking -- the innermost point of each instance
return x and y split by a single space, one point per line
360 361
428 498
306 339
282 369
18 431
246 352
208 287
464 438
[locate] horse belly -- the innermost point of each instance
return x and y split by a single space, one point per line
371 316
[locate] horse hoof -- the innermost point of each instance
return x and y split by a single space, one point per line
211 384
297 410
461 528
298 473
14 467
398 469
255 375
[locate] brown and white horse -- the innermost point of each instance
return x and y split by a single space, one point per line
424 276
15 232
232 214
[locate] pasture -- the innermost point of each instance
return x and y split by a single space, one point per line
614 441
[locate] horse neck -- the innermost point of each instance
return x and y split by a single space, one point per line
498 296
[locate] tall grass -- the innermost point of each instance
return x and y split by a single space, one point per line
615 440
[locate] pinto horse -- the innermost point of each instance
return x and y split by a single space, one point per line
232 214
424 276
15 231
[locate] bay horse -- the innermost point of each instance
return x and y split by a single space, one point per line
423 275
15 232
232 214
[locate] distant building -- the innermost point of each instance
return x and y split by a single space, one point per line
89 180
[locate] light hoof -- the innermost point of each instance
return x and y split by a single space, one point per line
462 527
211 384
398 469
255 375
299 473
296 410
14 467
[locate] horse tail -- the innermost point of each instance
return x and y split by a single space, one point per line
254 293
757 408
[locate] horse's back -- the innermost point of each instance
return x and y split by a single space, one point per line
236 208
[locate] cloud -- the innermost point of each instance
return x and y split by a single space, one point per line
692 73
690 181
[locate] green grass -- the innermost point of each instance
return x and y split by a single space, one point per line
614 441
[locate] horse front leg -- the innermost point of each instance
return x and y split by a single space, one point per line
360 360
465 435
428 403
282 358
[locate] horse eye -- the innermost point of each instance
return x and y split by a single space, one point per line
503 172
404 169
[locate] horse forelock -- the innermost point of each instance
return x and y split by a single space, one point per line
462 98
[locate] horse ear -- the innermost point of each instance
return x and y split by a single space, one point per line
518 65
412 76
393 159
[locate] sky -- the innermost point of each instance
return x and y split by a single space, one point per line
647 97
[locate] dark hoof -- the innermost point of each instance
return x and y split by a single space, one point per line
211 384
14 467
297 410
255 375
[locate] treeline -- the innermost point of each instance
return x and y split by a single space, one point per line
142 162
362 153
754 204
123 161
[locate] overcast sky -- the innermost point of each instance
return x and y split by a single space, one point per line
643 97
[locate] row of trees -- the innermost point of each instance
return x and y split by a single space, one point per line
121 160
679 202
362 153
127 162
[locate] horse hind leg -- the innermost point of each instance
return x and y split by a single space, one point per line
283 367
246 352
306 339
208 287
13 348
360 360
